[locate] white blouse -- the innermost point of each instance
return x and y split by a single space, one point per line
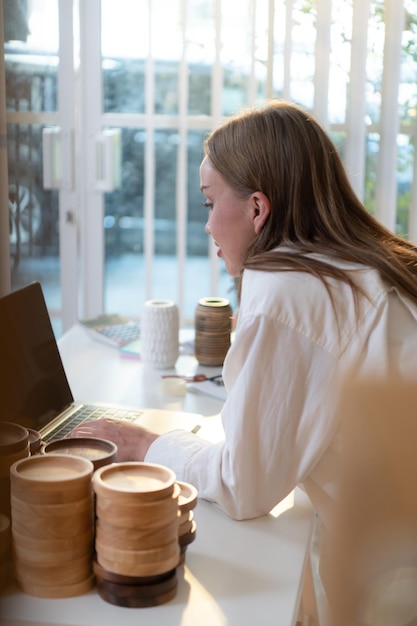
294 341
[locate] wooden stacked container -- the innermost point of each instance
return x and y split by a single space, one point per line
52 525
5 555
137 547
187 527
14 445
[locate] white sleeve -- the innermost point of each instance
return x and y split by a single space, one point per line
275 421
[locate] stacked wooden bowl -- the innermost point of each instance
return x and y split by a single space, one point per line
5 555
99 451
137 547
187 527
14 445
52 525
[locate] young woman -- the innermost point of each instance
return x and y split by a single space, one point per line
324 290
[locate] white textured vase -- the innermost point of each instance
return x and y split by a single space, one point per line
159 333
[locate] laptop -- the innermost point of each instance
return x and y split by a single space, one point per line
34 389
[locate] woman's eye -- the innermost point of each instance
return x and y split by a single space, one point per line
208 205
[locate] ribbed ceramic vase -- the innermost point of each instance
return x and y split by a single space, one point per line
160 333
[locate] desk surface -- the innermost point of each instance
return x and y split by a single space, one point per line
235 573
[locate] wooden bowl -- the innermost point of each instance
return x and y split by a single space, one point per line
187 538
13 438
5 573
188 496
22 508
134 481
183 518
119 579
5 535
138 514
185 527
8 460
135 538
140 557
99 451
137 597
57 591
54 496
52 528
54 470
51 556
80 544
139 569
51 479
57 574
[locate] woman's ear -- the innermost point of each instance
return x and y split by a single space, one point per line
262 209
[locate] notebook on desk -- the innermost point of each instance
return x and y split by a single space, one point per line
34 389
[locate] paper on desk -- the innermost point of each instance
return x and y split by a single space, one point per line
210 389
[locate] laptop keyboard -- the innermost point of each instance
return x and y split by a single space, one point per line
87 413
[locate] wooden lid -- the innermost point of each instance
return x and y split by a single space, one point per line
52 527
139 557
9 459
4 524
140 596
134 481
57 591
187 538
135 538
49 471
139 514
99 451
188 496
119 579
13 438
185 527
51 556
79 507
57 574
4 535
139 569
80 544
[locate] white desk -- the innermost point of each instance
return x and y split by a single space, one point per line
235 573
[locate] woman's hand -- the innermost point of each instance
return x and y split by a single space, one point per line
132 441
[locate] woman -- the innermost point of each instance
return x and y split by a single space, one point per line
324 289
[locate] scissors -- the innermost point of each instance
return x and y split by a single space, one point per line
198 378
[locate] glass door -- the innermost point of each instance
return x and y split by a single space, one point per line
40 145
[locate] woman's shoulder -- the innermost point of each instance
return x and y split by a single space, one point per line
306 303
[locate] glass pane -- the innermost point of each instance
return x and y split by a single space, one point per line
374 63
341 36
200 55
124 47
405 160
33 213
31 55
372 150
31 64
302 60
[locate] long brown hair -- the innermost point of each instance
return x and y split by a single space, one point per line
282 151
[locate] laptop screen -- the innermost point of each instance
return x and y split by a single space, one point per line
33 383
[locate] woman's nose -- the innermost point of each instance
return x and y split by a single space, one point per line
207 227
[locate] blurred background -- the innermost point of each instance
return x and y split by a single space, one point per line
105 105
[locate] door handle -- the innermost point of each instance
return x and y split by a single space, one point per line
57 151
51 157
108 159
